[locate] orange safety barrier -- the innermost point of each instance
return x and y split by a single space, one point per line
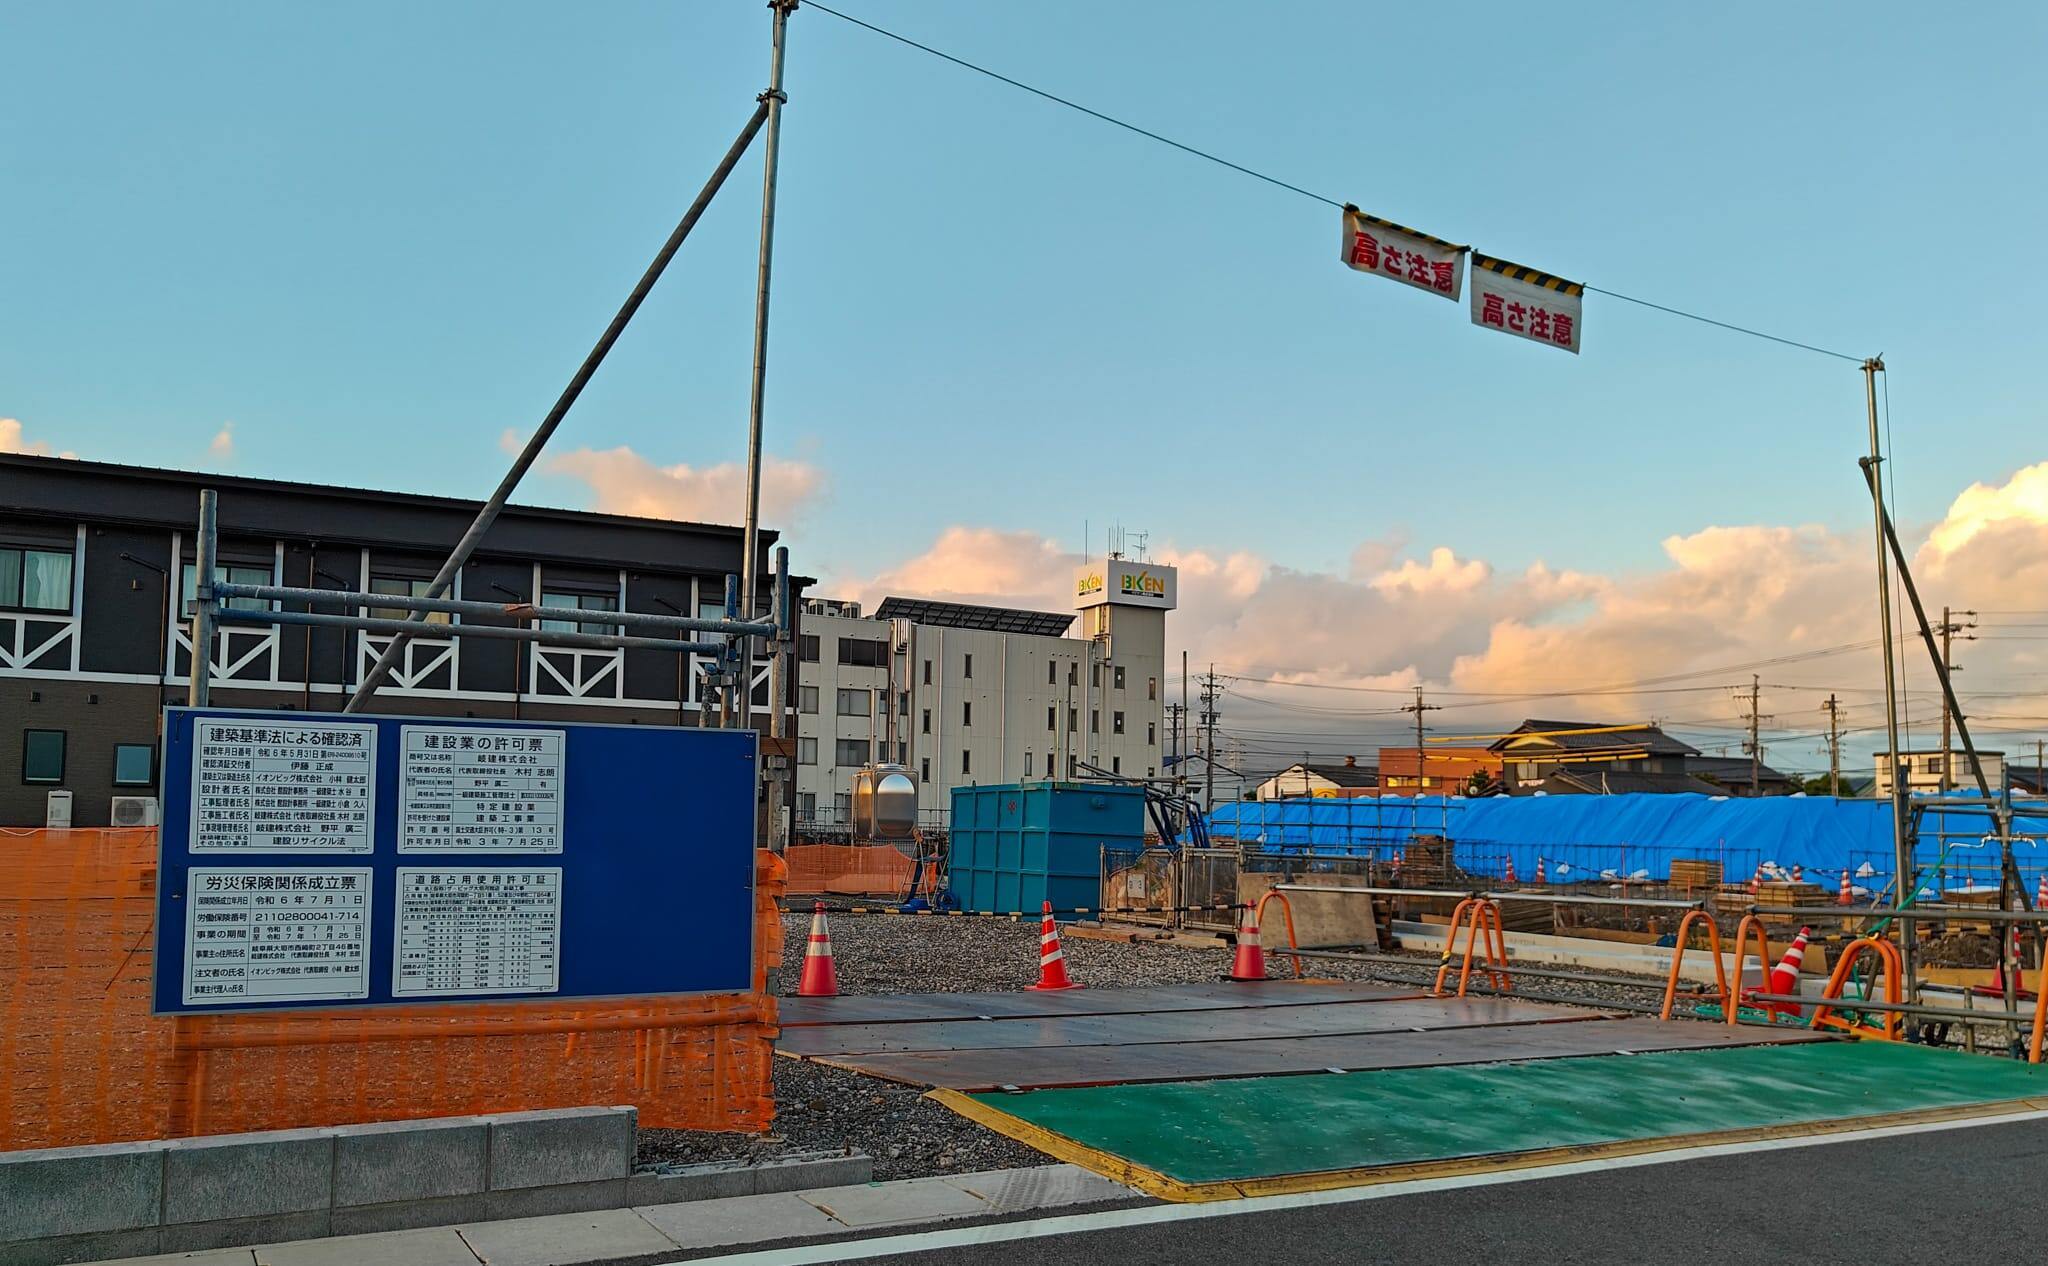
2040 1007
1678 956
83 1061
1894 972
851 870
1483 913
1286 908
1733 1006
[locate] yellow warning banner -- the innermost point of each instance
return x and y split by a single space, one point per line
1526 303
1386 249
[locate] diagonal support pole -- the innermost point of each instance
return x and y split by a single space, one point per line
444 579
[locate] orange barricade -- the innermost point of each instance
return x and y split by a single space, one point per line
848 870
83 1061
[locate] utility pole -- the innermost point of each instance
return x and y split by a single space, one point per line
1209 694
1834 711
1181 765
1754 748
1948 628
1418 708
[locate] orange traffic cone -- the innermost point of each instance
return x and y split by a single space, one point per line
1052 960
820 980
1511 872
1539 872
1756 883
2041 892
1843 896
1250 961
1798 874
1785 976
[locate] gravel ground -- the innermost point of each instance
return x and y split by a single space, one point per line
827 1109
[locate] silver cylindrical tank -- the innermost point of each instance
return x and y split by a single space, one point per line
884 804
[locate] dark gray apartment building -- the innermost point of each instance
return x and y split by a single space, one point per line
96 569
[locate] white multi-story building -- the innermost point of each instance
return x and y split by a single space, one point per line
963 695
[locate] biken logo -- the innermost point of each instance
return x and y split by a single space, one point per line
1090 583
1143 583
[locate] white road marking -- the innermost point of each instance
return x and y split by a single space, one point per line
1152 1215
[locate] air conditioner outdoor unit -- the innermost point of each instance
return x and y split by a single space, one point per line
57 810
134 811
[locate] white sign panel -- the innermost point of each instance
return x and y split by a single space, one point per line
1385 249
277 935
282 786
1523 302
1125 583
471 930
474 789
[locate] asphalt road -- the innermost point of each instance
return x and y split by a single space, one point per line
1950 1196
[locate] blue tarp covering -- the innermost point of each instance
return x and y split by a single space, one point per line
1637 835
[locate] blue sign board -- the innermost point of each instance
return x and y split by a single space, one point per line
330 860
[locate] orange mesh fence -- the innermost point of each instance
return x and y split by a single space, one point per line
83 1061
854 870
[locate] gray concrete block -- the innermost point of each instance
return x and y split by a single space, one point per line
894 1203
575 1237
410 1160
96 1247
406 1215
575 1197
743 1220
248 1175
76 1190
440 1246
231 1232
698 1182
1040 1187
807 1173
564 1145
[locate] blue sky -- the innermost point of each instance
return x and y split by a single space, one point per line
378 229
373 237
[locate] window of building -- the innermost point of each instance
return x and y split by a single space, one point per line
1048 764
1151 687
1148 771
850 752
927 719
860 652
924 769
807 804
1095 720
842 806
902 752
927 672
35 579
1117 676
134 764
807 699
1937 764
1073 673
967 712
1116 764
966 761
1052 672
42 756
1151 733
1095 676
1052 717
234 574
1116 723
579 602
853 703
807 647
403 587
1073 720
1073 766
807 751
903 703
967 667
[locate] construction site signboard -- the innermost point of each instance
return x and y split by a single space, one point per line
312 860
1526 303
1386 249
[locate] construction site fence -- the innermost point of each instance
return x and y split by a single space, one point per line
850 870
83 1061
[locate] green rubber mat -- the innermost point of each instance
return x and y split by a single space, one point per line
1182 1135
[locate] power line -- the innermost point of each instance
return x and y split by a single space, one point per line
1275 181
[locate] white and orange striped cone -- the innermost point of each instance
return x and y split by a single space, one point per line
2041 892
1052 960
1798 874
1756 883
1785 976
1843 895
1249 963
820 978
1540 880
1511 872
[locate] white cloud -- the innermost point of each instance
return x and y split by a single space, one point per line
621 481
222 447
14 439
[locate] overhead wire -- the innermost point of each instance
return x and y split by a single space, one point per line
1275 181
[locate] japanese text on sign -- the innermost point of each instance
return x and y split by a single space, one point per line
282 786
480 790
474 931
1526 303
277 936
1373 245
